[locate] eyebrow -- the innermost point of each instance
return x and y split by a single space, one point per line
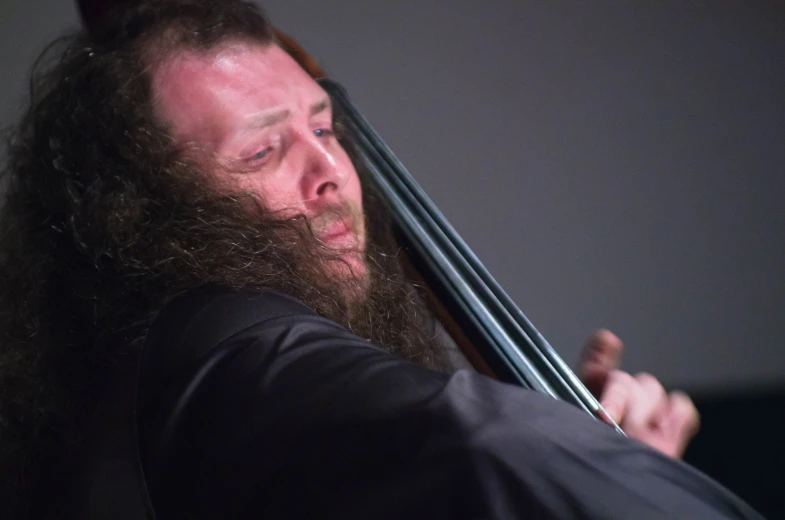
278 116
320 106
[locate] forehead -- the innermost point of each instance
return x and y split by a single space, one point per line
206 93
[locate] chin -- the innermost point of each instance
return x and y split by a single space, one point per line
352 273
352 266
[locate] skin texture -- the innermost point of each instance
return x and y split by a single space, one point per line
639 403
254 109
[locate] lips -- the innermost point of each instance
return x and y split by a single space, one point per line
334 231
335 227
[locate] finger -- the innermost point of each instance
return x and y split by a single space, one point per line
683 421
602 351
616 394
600 356
647 398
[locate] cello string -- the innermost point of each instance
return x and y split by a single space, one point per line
426 219
569 387
565 378
500 321
483 320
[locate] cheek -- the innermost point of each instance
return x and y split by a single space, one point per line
275 194
352 194
353 191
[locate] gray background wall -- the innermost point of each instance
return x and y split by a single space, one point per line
613 164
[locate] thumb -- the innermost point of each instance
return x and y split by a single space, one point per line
601 355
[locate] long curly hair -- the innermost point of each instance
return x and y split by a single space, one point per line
104 220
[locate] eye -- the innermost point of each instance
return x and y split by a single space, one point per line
259 155
322 132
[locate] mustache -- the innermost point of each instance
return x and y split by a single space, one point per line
345 212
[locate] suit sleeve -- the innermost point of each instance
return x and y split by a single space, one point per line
295 417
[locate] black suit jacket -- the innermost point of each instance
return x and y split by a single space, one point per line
249 405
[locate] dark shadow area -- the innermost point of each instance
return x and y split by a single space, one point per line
741 445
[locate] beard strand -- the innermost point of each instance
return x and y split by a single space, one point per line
231 241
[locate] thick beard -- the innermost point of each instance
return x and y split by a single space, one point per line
362 286
380 303
230 240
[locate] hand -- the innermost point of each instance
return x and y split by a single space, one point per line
639 404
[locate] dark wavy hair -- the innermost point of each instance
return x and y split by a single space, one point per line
104 220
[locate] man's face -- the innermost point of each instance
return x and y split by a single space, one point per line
254 107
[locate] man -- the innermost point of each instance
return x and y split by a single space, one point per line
179 172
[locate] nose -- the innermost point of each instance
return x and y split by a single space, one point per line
323 173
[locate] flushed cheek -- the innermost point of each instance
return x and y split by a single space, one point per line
274 196
353 196
353 190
